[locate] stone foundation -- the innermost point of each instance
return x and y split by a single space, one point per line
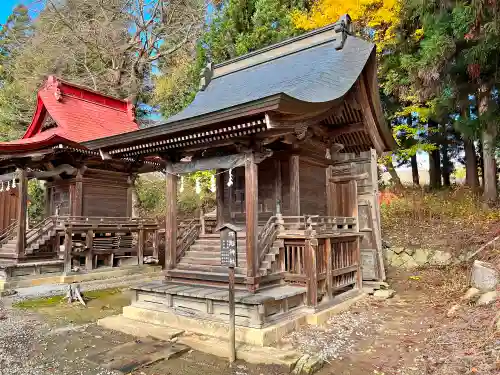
409 258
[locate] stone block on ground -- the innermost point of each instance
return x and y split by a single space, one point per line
440 258
484 276
398 250
471 295
307 365
408 261
384 293
487 298
421 256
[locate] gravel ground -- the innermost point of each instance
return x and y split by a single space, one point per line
340 335
25 348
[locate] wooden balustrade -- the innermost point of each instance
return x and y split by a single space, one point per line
325 265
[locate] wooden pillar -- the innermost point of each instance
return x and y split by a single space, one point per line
140 247
251 208
89 243
219 179
329 193
170 218
294 186
278 187
68 247
156 244
22 211
78 195
131 196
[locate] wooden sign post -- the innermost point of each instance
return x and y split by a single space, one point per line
229 258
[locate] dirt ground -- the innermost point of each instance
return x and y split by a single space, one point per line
409 334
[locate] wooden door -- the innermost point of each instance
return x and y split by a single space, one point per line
8 207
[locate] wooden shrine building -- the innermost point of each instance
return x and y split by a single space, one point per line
88 200
293 131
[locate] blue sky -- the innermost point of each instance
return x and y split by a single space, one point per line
6 7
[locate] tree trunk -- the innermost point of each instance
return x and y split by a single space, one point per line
488 136
490 165
446 165
414 170
435 169
392 172
471 172
480 161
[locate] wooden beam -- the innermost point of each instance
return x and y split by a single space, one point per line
219 185
251 208
329 195
294 185
22 211
349 177
170 218
346 129
369 117
47 200
329 269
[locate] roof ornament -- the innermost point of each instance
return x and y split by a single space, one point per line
206 76
58 92
343 27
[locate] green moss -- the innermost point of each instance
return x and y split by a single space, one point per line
99 304
38 303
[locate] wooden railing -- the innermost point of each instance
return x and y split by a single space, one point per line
103 221
38 231
189 237
8 233
267 236
321 224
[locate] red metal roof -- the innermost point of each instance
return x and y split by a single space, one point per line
79 114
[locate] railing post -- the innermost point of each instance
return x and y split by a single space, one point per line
68 247
140 247
329 268
89 242
170 217
311 245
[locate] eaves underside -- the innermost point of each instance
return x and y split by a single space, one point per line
281 103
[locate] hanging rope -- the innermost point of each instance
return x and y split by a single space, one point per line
182 184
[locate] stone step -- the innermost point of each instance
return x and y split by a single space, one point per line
210 254
211 248
204 276
215 269
209 261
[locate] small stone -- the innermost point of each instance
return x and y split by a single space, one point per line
307 365
398 250
471 295
484 276
452 311
487 298
384 293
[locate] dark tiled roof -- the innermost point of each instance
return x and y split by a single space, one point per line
317 74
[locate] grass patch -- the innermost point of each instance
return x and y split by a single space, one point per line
37 303
100 303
